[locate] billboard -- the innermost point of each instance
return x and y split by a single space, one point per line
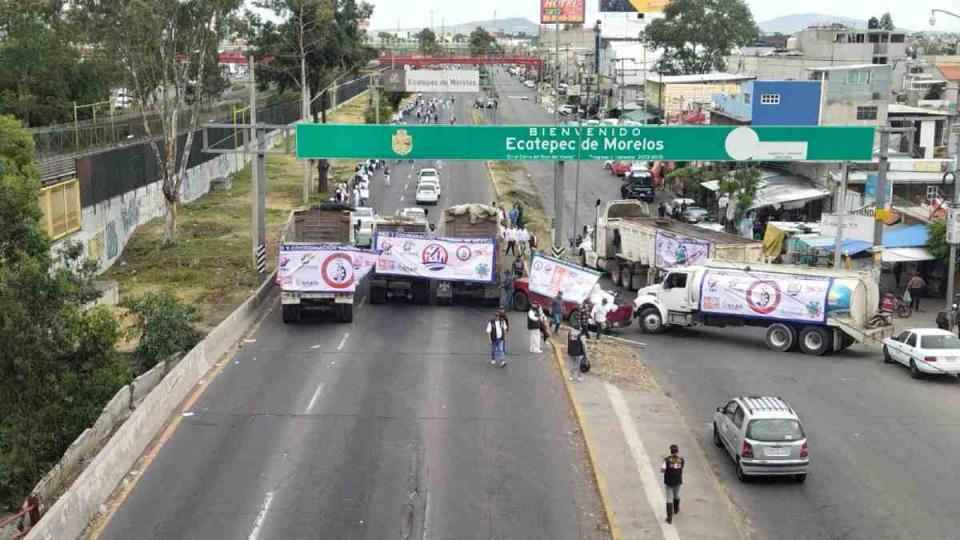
549 276
633 6
432 80
562 11
323 267
450 259
762 295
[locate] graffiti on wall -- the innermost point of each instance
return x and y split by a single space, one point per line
113 246
95 247
130 213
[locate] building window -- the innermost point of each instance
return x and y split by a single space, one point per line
897 38
866 113
61 208
769 99
860 76
746 97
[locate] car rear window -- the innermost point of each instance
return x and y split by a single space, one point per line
939 342
774 430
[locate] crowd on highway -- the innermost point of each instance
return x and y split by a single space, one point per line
425 110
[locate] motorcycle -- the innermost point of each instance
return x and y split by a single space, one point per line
901 308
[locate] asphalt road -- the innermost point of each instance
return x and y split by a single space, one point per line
394 426
883 445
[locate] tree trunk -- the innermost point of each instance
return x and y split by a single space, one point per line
170 222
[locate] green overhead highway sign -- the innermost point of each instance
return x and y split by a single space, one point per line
673 143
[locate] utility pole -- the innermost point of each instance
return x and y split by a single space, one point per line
305 117
841 204
952 268
258 172
376 96
558 172
881 196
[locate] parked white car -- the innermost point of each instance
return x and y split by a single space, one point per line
529 83
926 351
362 221
427 194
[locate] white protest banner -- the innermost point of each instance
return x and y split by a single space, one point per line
423 255
676 250
443 80
854 227
765 295
323 267
549 276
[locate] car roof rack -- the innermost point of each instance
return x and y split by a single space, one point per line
765 404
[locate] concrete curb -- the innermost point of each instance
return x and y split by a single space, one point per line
591 451
70 515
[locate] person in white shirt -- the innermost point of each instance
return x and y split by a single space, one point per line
522 238
511 235
722 204
534 320
599 315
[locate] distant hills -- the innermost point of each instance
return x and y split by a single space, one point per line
509 25
788 24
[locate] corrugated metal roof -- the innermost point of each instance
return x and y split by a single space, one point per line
951 72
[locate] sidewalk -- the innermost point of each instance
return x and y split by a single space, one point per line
628 430
925 318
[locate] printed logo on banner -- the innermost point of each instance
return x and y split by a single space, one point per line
337 271
434 257
284 261
464 253
402 142
763 297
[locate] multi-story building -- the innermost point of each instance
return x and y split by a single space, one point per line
769 103
827 47
672 95
853 94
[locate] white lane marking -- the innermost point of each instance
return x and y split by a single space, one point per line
317 346
401 198
313 400
426 518
343 341
651 487
261 517
361 302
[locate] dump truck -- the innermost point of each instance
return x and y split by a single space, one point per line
817 310
470 221
385 286
329 223
635 248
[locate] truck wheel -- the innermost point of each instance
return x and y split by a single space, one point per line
815 340
615 272
583 258
291 313
346 312
780 337
626 278
520 301
650 321
378 295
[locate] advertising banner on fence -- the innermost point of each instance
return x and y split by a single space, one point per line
675 250
631 6
562 11
637 143
549 275
450 259
763 295
323 267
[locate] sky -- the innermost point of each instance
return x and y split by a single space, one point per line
912 14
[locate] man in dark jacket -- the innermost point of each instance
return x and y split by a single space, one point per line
575 352
672 469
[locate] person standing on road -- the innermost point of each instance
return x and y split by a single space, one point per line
534 321
511 235
583 316
672 469
514 215
497 333
522 238
915 286
386 177
575 352
722 204
518 269
508 286
599 315
556 311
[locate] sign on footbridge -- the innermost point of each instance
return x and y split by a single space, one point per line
565 143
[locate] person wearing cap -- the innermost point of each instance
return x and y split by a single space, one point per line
672 469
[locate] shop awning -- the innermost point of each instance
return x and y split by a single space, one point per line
777 189
896 255
712 185
906 237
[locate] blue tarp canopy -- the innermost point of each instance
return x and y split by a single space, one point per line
893 237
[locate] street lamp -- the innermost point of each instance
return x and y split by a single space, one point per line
933 15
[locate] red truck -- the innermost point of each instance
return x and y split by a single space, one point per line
618 317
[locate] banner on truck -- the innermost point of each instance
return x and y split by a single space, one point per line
763 295
549 276
674 250
449 259
323 267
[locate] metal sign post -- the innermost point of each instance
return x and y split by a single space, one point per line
953 230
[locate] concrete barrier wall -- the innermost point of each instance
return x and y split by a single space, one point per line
142 385
71 513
